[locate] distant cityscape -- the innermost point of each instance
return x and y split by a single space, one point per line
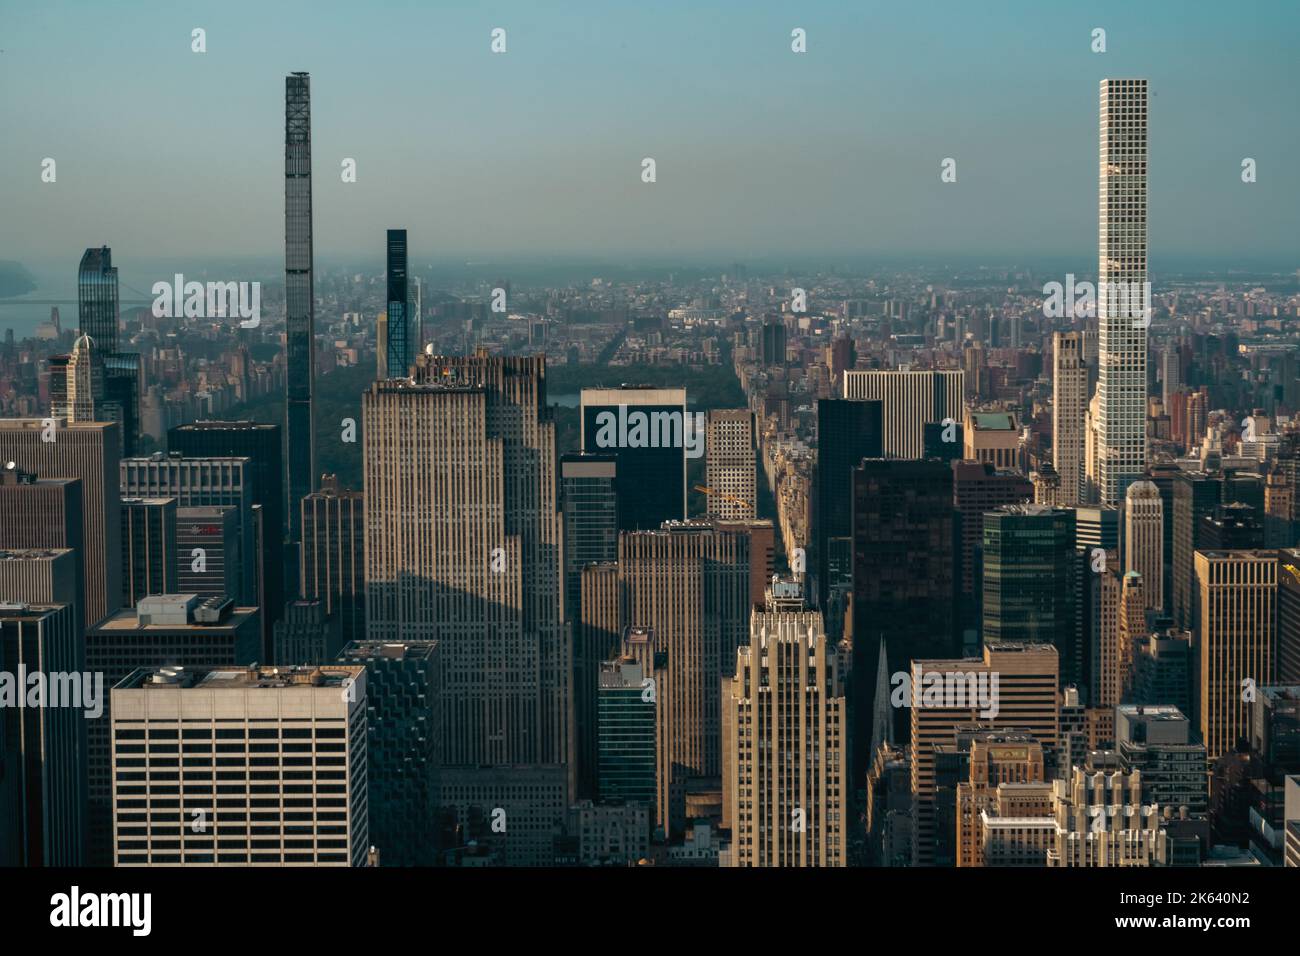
919 565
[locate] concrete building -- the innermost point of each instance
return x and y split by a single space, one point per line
332 558
1101 821
1012 686
1144 542
730 467
149 562
271 726
178 630
785 744
463 546
52 448
992 438
910 400
1070 395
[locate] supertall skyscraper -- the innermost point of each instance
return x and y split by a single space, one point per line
463 535
1122 297
299 301
399 331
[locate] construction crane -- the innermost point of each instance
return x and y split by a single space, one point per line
704 489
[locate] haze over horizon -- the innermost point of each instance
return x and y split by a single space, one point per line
537 152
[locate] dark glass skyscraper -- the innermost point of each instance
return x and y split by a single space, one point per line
399 352
97 310
847 432
904 586
97 302
590 506
1028 581
299 304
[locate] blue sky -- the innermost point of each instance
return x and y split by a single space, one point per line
537 152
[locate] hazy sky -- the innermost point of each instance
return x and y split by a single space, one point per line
759 151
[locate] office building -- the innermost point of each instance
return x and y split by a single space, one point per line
977 488
1123 302
1196 495
204 483
306 634
41 576
1157 742
333 562
515 811
1070 396
115 378
993 758
909 400
1231 527
1029 584
687 585
261 444
178 630
89 452
625 704
647 429
1288 617
463 546
1144 546
992 438
1164 671
610 835
1236 641
271 726
43 736
149 558
589 492
904 587
45 513
729 463
403 749
1101 821
847 432
948 694
785 736
207 551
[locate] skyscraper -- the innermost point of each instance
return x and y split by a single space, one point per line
590 501
785 727
149 561
308 721
687 585
173 629
1029 587
399 352
1069 409
1024 696
204 483
1237 643
89 452
262 444
910 399
299 298
1123 295
904 587
333 568
116 382
403 747
463 540
1144 544
847 432
625 734
729 465
45 513
47 738
651 463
